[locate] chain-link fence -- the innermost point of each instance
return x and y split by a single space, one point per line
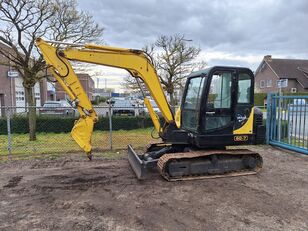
116 128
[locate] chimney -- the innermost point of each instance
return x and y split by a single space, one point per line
268 58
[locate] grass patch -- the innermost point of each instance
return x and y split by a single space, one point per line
295 141
59 143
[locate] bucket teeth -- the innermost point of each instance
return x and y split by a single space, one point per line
90 155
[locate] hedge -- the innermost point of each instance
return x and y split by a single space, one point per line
283 130
59 125
295 94
259 99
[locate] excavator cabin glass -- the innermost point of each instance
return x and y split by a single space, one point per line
192 103
219 101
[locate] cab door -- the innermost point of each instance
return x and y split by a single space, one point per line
191 103
218 117
244 102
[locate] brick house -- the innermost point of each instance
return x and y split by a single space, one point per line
12 92
7 96
270 70
87 83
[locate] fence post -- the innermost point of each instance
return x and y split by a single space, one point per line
279 115
110 126
290 124
268 116
9 138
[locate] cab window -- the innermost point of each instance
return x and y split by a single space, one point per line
220 91
191 104
244 88
218 106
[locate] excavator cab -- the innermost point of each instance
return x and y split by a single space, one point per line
216 111
217 102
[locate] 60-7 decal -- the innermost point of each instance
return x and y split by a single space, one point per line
240 138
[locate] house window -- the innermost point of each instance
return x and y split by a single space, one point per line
268 83
262 83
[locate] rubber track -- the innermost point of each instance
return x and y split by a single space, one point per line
165 159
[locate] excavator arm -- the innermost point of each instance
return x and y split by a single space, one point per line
135 62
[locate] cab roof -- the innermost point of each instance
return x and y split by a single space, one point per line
206 71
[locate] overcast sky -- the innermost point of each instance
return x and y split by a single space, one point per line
228 32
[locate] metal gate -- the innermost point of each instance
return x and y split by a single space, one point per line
287 122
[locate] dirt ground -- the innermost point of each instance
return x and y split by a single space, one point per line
71 193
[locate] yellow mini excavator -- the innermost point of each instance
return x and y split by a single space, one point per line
216 111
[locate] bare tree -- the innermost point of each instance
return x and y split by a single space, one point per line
187 69
174 61
22 21
173 58
130 83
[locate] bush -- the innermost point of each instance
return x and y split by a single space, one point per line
3 127
59 125
259 99
98 100
284 129
123 122
296 94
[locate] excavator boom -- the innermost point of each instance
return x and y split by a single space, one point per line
134 61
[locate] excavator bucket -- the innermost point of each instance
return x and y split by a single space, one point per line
82 133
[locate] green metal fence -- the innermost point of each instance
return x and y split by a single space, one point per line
287 122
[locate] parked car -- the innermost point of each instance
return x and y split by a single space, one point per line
114 99
60 108
123 107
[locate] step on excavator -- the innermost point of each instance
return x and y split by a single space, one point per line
216 111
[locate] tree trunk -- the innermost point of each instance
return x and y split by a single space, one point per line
171 98
172 104
32 113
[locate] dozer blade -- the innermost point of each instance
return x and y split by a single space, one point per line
82 133
139 166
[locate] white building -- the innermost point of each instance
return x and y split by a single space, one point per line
20 95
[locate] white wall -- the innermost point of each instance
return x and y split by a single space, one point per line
21 97
37 94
